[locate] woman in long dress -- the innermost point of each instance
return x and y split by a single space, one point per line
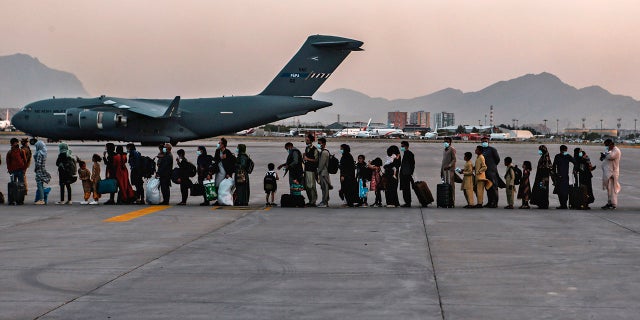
540 192
242 176
126 194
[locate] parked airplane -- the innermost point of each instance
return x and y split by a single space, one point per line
246 132
6 123
153 121
388 133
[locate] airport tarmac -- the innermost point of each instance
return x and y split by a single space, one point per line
168 262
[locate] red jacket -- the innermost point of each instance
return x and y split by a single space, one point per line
16 159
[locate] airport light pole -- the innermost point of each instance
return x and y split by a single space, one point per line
635 126
601 134
545 127
557 131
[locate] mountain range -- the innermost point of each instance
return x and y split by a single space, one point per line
25 79
530 99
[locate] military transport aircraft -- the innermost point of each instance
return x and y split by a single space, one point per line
154 121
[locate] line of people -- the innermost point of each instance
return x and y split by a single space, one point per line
315 166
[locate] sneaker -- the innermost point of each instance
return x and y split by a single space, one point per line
60 202
93 202
84 202
69 202
39 202
322 205
391 206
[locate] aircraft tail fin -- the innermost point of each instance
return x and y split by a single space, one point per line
314 63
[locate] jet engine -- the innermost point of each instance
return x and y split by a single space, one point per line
73 117
101 120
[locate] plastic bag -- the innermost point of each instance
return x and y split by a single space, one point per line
153 191
225 192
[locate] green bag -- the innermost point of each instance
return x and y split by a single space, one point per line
210 189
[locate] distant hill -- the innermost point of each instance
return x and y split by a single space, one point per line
530 99
24 79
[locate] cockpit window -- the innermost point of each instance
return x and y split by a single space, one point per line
27 108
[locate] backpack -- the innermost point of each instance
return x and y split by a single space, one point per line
147 167
517 175
191 169
334 164
69 169
250 165
269 181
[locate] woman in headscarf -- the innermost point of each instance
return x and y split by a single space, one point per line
540 192
390 176
67 172
348 182
242 176
204 163
42 176
126 194
110 172
582 173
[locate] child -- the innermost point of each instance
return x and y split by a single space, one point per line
95 178
481 177
270 184
85 176
363 175
509 180
374 167
467 181
296 188
524 191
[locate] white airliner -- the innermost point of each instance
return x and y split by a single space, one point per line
368 132
6 123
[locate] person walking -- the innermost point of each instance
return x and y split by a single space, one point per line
310 159
243 163
492 159
448 166
323 172
611 173
407 167
560 168
165 168
42 176
540 191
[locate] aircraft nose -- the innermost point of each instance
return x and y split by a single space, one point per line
18 120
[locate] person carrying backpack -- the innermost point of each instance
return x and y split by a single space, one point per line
136 166
67 172
270 184
323 172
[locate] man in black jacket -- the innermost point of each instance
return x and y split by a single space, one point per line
492 159
407 167
165 167
293 164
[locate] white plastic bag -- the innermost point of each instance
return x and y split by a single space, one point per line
153 191
225 192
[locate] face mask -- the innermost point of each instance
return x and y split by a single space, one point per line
218 146
341 151
580 154
237 150
606 149
164 150
485 144
198 152
319 146
446 145
565 153
539 152
289 151
403 149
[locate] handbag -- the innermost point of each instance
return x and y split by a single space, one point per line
210 189
107 186
241 176
197 190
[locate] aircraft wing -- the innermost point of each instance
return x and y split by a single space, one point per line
150 109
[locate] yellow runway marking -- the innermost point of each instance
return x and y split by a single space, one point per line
136 214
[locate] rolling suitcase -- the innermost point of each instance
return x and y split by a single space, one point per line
445 192
578 195
291 201
422 192
16 192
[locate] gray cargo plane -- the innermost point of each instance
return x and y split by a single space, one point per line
154 121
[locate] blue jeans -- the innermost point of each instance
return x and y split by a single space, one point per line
18 175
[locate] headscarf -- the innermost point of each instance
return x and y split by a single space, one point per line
242 149
41 149
64 148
